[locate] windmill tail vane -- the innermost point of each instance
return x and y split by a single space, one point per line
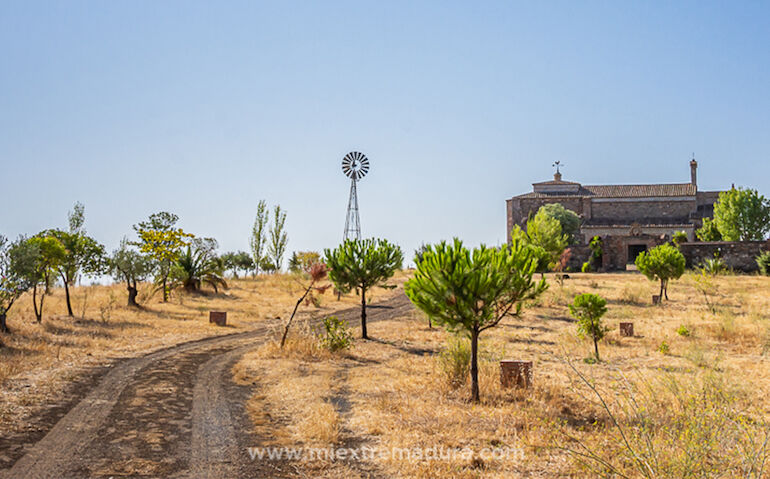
355 166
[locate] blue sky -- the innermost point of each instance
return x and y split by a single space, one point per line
203 108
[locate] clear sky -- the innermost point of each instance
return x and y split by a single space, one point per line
203 108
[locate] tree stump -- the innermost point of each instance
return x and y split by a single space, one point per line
218 317
515 373
655 299
627 329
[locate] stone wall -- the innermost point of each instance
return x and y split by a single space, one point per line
640 211
580 254
738 255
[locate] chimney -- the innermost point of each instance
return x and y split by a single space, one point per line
694 172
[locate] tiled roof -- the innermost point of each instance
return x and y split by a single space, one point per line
556 182
622 191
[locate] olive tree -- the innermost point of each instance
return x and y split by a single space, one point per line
588 309
127 264
15 258
363 264
82 255
662 263
472 291
43 256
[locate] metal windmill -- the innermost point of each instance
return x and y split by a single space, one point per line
355 165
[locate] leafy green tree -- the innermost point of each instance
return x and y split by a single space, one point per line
363 264
163 242
278 239
544 233
470 292
662 263
198 265
43 255
127 264
742 215
15 258
82 255
588 309
259 235
708 231
302 261
76 218
568 219
237 261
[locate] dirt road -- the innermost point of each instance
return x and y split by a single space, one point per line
172 413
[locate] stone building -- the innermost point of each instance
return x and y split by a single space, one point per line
629 218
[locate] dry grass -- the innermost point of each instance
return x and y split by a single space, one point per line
37 361
707 396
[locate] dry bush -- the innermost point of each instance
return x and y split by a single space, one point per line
633 293
671 427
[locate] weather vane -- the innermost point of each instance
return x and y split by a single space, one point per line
557 164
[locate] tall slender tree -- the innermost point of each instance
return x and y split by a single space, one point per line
278 238
258 238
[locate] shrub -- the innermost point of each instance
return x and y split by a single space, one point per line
588 309
454 361
763 261
683 331
714 266
336 335
664 348
678 238
586 268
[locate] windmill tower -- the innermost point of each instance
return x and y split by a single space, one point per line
355 165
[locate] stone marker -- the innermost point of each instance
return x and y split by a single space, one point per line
655 299
626 329
515 373
218 317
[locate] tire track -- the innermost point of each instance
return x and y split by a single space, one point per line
169 413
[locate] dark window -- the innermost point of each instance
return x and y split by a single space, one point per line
634 250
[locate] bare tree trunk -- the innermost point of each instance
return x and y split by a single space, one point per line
661 289
475 396
132 293
67 295
596 349
291 318
363 314
3 324
38 312
165 290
